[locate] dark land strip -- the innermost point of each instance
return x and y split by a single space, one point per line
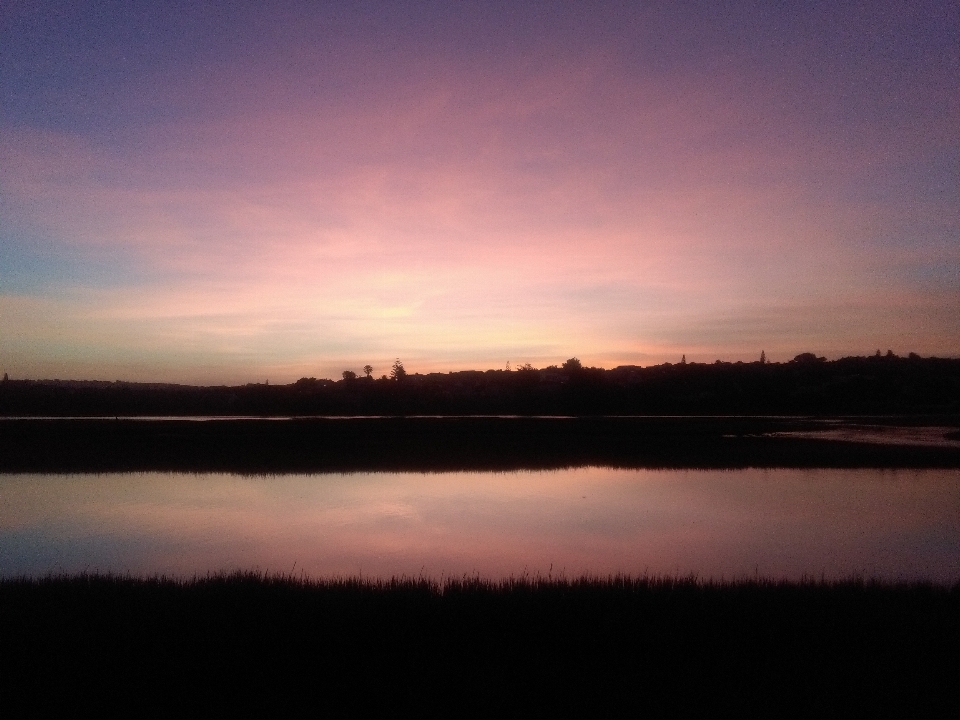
619 647
808 385
441 444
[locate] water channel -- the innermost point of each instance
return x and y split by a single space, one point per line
777 523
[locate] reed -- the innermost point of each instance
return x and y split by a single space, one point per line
528 646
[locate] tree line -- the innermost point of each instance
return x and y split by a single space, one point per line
806 385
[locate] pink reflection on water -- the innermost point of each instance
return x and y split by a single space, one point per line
775 523
936 436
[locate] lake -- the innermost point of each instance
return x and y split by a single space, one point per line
777 523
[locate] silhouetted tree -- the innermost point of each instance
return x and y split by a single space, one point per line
573 365
763 358
683 360
368 370
349 375
397 372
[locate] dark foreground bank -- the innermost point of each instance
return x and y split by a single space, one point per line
446 443
530 648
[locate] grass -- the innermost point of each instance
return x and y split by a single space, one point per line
528 647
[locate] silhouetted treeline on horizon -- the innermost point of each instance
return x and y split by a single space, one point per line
881 384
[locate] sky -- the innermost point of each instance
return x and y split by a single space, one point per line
222 193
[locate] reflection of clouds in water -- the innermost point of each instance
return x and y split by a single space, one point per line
780 523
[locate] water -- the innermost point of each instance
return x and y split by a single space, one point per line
791 524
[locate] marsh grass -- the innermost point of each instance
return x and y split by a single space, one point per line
530 646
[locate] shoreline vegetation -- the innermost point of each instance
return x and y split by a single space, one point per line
527 647
807 385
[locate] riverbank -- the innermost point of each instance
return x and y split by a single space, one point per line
424 444
532 647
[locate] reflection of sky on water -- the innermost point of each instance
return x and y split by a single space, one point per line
778 523
880 435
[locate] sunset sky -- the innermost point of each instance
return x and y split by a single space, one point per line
210 193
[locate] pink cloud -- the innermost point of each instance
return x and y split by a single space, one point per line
449 215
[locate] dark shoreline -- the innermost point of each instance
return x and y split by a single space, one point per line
519 648
428 444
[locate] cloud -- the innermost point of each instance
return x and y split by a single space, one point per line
316 203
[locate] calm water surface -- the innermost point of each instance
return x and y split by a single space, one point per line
887 524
